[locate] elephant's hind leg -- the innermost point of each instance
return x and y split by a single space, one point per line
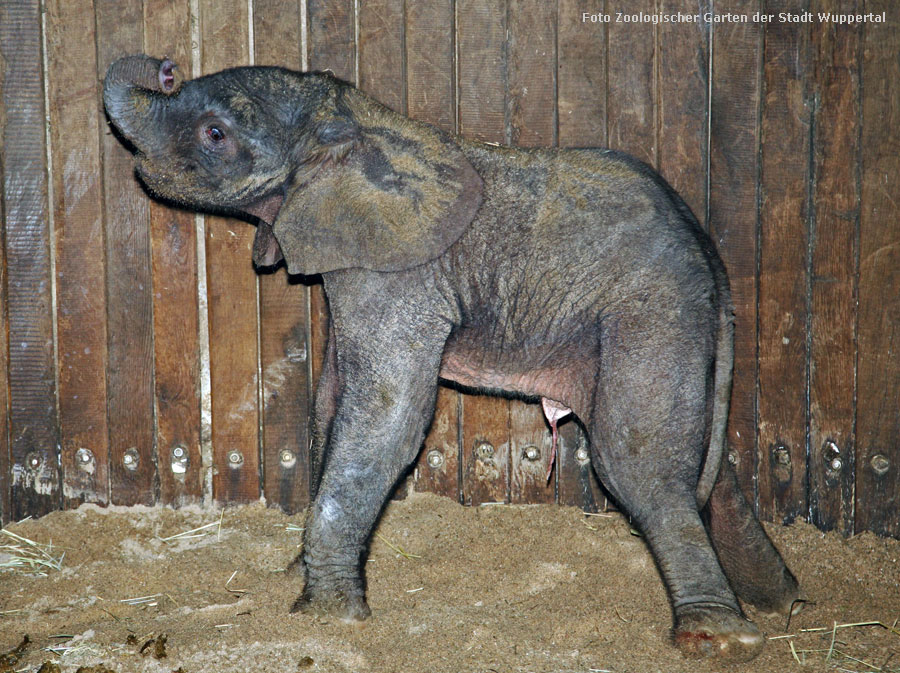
753 566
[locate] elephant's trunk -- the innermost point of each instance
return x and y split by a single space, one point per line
134 93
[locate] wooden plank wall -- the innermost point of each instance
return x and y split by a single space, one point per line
127 326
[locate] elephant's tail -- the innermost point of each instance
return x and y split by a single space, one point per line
722 384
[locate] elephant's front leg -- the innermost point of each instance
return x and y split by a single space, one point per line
386 399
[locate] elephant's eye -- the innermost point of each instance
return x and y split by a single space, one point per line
215 134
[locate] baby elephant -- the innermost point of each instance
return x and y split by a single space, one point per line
577 277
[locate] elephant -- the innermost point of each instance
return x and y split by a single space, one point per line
577 277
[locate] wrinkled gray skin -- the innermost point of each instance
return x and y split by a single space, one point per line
576 276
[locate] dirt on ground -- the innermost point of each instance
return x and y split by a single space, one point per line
486 589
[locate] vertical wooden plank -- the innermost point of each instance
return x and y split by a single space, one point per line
733 212
632 95
832 366
176 347
382 52
481 30
224 40
581 102
332 37
283 308
75 131
684 103
878 420
431 86
431 97
581 75
5 458
34 487
481 35
783 276
531 100
332 47
129 376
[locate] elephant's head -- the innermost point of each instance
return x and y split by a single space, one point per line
336 180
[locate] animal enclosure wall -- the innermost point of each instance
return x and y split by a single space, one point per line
145 361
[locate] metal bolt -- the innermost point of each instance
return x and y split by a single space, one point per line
782 455
131 459
484 450
880 464
84 456
179 460
287 458
532 453
582 455
435 458
732 458
33 460
836 464
235 458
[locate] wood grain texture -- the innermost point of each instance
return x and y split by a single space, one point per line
481 38
34 440
784 240
5 456
176 347
733 218
129 375
834 239
878 418
481 30
332 37
224 31
430 47
531 103
75 131
431 97
632 95
684 103
581 76
382 52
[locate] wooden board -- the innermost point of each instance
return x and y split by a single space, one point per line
232 288
5 462
431 97
283 310
683 64
783 275
733 217
176 345
878 420
34 439
632 84
481 31
132 460
532 121
581 76
834 238
75 131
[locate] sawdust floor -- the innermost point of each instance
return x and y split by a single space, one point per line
539 588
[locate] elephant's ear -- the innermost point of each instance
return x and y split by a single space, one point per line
395 194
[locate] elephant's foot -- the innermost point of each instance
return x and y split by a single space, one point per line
343 604
332 591
716 631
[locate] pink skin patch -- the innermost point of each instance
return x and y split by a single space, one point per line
167 75
554 411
